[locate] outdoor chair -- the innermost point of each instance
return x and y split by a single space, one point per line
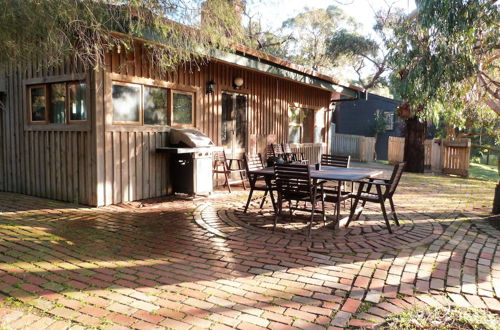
277 150
291 156
228 166
335 160
384 189
331 191
252 163
294 184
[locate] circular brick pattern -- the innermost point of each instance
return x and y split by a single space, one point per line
368 234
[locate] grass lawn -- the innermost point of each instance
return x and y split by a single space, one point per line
483 172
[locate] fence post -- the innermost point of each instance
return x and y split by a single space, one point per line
362 149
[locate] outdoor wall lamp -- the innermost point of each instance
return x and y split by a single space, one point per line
238 82
210 86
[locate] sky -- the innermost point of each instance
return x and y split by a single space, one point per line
274 12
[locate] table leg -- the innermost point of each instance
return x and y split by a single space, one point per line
337 205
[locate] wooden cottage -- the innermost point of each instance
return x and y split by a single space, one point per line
91 137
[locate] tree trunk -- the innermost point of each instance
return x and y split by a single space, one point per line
496 201
414 145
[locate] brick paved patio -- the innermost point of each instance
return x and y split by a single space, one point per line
204 264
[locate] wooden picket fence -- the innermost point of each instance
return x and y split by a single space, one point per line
361 148
312 151
456 156
450 156
396 149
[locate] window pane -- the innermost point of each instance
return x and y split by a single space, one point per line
58 103
37 97
308 126
318 134
77 101
182 108
294 134
389 119
155 106
294 115
126 103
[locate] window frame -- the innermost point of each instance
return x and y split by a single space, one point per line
141 105
68 110
302 110
171 107
30 105
48 106
167 114
389 118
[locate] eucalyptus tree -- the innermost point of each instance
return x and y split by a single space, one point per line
310 31
444 57
172 31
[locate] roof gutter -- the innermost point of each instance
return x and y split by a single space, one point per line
359 95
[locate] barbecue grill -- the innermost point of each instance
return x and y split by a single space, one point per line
191 161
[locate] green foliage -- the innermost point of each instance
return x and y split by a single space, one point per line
442 58
443 318
379 124
310 31
51 30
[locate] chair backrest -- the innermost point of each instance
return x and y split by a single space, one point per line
253 162
397 172
335 160
292 178
286 148
277 149
220 156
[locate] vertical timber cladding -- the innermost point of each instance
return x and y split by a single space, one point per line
128 168
51 161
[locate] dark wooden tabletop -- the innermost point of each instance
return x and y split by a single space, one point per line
332 173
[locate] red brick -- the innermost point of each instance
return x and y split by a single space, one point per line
351 305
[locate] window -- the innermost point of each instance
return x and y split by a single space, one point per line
182 108
155 106
76 101
300 125
389 120
38 103
138 104
319 126
58 103
126 103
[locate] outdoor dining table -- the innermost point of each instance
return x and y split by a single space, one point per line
328 173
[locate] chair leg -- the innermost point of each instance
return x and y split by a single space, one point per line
263 199
393 209
363 203
290 207
382 206
323 209
226 175
351 214
278 212
242 180
248 201
273 202
311 220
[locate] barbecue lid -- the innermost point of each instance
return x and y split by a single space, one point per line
189 137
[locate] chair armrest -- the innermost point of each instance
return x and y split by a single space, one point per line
378 184
378 179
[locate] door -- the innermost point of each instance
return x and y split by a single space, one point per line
234 123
